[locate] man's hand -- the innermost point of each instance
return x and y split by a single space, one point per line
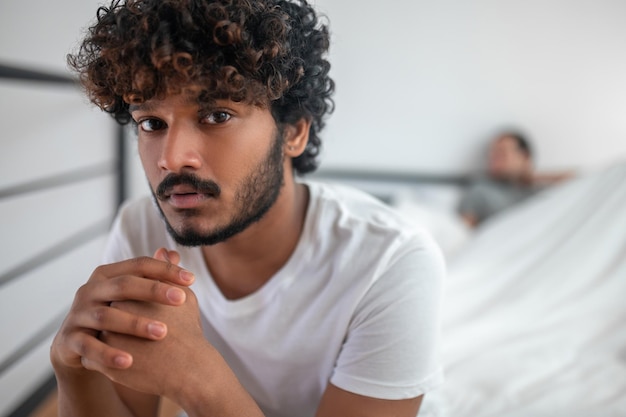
162 366
157 280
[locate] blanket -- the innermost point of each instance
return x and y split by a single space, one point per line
534 321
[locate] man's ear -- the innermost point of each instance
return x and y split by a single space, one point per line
296 136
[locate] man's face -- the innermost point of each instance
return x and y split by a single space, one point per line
212 172
507 161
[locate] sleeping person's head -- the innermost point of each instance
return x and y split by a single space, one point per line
510 157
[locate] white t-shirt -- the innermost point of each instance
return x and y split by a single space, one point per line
357 304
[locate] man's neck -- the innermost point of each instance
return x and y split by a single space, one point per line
244 263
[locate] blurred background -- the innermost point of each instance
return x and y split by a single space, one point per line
422 87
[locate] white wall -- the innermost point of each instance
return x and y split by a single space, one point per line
421 85
41 33
46 130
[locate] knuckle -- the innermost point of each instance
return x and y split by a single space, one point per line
81 347
169 271
82 291
121 284
99 316
135 324
141 261
157 289
98 271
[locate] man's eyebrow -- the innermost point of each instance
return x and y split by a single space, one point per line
141 106
149 106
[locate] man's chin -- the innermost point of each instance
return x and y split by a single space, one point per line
191 239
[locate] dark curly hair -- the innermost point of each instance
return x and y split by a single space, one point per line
264 52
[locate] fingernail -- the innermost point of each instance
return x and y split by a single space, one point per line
156 329
175 295
186 275
122 361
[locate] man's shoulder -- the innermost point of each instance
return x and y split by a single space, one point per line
343 207
372 238
352 202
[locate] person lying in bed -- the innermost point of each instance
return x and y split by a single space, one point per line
235 289
511 179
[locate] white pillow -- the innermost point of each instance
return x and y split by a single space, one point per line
444 224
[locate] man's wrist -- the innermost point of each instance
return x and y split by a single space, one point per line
212 389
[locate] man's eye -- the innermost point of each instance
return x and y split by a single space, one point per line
151 125
218 117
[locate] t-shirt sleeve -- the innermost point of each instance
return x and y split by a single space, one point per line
392 346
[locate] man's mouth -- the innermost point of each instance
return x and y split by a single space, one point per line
186 200
186 191
181 190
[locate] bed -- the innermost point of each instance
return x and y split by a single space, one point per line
534 322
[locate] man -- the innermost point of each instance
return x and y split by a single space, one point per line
511 179
237 290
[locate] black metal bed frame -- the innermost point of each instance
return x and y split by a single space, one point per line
117 167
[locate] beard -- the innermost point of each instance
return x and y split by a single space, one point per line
256 194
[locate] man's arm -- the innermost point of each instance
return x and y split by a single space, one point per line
552 178
338 402
90 393
391 350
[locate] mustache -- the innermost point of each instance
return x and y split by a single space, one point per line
199 185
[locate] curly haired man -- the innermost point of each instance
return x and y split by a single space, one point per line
237 288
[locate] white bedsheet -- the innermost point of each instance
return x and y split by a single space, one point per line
535 316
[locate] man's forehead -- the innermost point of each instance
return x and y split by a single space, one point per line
506 141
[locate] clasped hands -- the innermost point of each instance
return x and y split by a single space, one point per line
135 322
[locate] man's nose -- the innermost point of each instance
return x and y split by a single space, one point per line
181 149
